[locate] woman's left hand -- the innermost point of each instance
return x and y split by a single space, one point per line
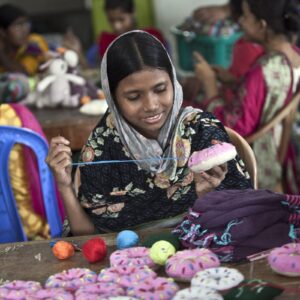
208 181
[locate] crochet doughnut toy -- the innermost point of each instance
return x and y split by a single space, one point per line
208 158
71 279
183 265
120 298
99 291
53 294
285 260
159 288
197 293
219 279
126 276
138 256
19 289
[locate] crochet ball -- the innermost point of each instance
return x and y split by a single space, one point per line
161 251
63 250
127 239
169 237
94 250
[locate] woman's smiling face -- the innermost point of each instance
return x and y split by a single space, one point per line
145 99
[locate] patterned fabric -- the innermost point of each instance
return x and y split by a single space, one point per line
118 196
266 88
31 55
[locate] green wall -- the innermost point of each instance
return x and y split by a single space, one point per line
144 12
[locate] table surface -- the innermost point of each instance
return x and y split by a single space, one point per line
67 122
35 261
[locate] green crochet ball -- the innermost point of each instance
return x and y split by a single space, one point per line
161 251
169 237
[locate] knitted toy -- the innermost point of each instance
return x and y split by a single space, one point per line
55 89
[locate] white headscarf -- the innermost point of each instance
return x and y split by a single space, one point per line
138 146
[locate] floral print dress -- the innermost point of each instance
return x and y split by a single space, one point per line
119 196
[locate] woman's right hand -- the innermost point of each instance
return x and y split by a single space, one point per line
60 161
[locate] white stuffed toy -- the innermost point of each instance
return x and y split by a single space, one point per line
55 88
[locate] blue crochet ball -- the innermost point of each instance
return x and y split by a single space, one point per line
127 239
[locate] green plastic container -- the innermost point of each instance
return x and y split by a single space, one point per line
217 50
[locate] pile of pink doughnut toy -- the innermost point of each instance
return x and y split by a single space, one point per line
132 275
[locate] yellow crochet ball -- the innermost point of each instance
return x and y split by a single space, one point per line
161 251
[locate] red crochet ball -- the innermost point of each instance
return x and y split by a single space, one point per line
94 250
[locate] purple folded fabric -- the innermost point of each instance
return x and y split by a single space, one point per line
238 223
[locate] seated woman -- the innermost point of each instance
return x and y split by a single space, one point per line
267 87
121 16
145 123
20 51
244 52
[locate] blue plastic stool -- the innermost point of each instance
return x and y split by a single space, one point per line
11 229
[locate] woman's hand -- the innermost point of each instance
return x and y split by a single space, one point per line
224 75
208 181
211 14
59 160
206 75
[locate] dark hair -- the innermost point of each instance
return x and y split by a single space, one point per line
282 16
9 13
236 9
134 52
125 5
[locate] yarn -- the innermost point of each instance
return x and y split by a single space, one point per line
94 250
161 251
63 250
127 239
169 237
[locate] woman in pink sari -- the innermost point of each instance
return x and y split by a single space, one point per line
266 88
24 176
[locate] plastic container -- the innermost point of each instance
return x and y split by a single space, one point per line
217 50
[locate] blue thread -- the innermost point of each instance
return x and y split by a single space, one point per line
292 233
226 236
285 203
102 162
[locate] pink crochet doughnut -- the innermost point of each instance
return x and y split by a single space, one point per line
183 265
18 289
71 279
120 298
159 288
99 291
210 157
53 294
285 260
138 256
126 276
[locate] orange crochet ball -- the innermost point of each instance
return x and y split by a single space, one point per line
63 250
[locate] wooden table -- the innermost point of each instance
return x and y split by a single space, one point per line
35 261
67 122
